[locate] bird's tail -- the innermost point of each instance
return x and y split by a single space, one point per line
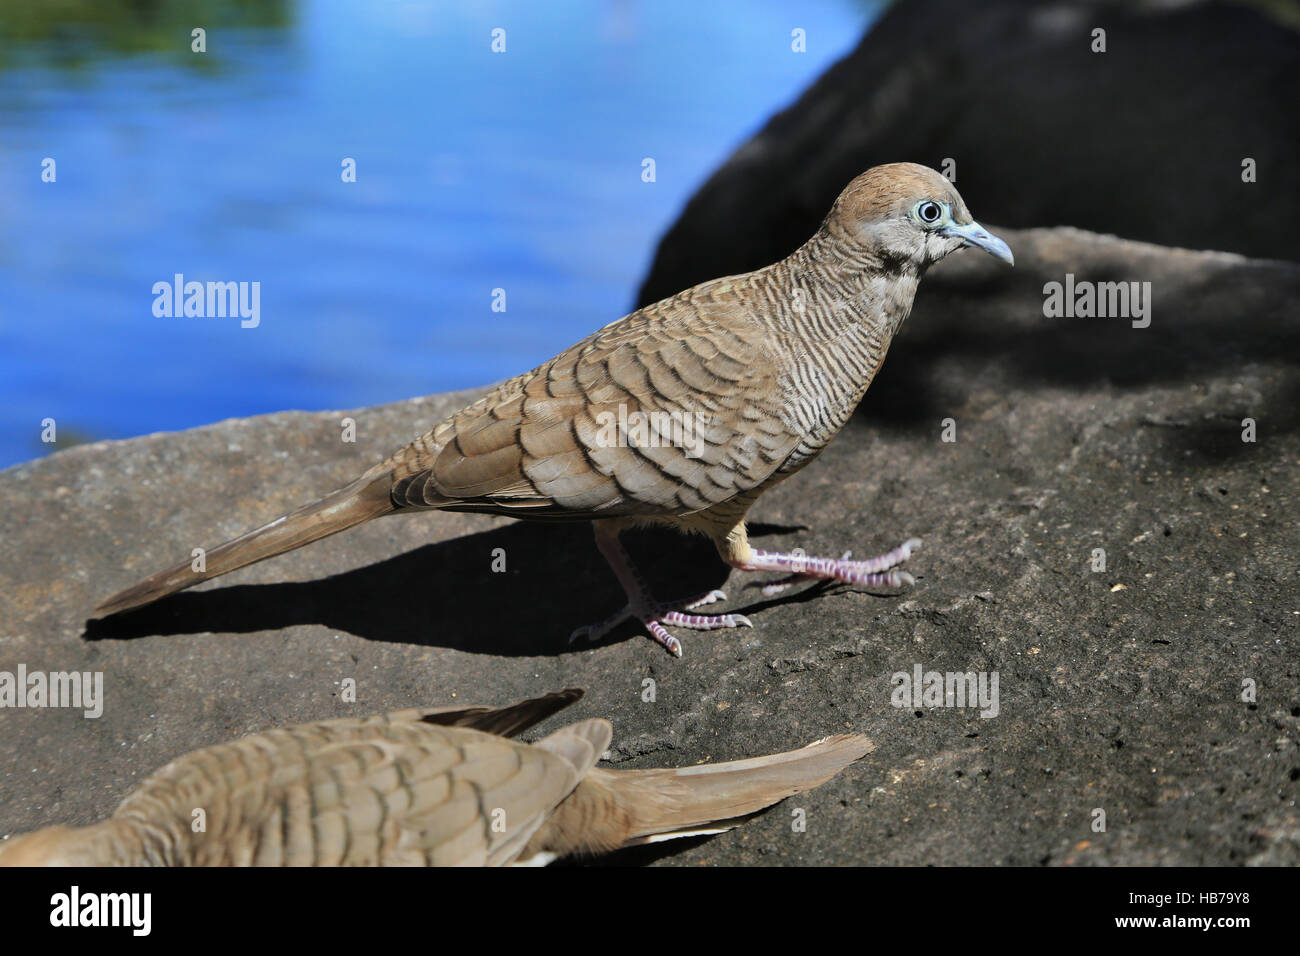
656 805
367 497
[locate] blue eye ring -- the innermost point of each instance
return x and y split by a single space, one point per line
928 212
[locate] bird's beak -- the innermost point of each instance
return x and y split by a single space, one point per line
973 234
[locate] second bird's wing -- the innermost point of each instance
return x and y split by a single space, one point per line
377 791
507 721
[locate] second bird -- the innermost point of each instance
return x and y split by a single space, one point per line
680 414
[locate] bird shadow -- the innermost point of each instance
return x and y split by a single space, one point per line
448 595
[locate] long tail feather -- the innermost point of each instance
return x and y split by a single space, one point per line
610 809
367 497
711 798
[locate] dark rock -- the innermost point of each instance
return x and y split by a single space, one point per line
1119 690
1144 141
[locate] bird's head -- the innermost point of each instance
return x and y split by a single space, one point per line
910 215
53 846
65 846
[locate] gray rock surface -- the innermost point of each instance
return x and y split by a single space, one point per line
1144 141
1119 690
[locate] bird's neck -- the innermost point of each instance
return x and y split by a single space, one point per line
846 285
838 307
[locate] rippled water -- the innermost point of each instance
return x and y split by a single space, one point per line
476 171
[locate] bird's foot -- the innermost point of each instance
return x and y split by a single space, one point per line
768 588
653 615
879 571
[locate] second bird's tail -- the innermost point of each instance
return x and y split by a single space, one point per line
711 798
367 497
611 809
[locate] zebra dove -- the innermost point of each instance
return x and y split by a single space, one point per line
437 787
680 414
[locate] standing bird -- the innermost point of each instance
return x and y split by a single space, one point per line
680 414
438 787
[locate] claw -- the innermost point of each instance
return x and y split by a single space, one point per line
703 599
585 633
670 643
594 632
656 615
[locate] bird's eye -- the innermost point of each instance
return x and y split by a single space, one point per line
929 212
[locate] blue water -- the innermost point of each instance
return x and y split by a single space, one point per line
475 171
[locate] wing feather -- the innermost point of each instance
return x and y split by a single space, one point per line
670 410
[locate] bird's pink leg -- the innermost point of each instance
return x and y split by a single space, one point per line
872 572
653 614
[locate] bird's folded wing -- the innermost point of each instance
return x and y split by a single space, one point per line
482 810
356 793
669 410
